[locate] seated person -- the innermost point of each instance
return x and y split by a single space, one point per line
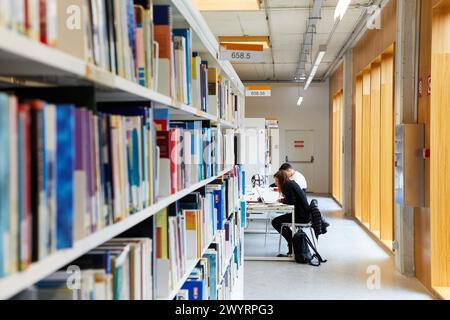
295 196
295 176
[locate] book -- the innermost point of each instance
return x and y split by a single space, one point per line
162 19
39 183
185 42
65 154
4 183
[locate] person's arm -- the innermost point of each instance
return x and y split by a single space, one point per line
289 194
302 196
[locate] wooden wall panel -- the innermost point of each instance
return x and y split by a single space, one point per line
336 87
366 159
375 126
369 47
440 146
374 42
337 147
358 143
387 150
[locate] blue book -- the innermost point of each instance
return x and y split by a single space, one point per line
131 31
65 153
196 289
134 165
95 259
4 179
211 255
162 15
186 33
219 206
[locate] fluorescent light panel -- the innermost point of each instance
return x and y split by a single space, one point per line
320 56
300 101
255 40
341 9
227 5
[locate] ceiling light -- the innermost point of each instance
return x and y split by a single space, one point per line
319 58
300 101
228 5
341 9
247 40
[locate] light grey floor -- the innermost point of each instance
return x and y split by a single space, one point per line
354 260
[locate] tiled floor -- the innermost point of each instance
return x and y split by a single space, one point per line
351 253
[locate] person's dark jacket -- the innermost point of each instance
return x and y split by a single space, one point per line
295 196
316 218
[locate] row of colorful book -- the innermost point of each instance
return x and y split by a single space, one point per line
120 269
131 38
216 273
190 151
68 172
114 35
192 225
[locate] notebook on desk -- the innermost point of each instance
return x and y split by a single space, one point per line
267 196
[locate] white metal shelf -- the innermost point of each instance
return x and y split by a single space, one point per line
20 54
14 284
227 125
190 265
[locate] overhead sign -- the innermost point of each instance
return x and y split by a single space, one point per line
259 91
242 53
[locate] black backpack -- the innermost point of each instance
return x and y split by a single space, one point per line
301 244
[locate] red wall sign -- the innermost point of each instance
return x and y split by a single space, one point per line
299 144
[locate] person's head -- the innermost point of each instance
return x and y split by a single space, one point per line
288 168
281 178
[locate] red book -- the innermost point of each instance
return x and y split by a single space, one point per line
43 20
174 147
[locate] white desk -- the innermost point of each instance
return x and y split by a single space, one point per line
269 208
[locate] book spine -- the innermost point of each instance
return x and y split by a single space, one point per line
65 150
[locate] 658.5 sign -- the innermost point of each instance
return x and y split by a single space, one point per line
242 56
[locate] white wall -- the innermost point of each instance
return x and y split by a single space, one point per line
312 115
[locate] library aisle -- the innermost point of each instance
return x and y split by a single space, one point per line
351 251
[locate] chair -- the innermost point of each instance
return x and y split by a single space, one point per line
299 226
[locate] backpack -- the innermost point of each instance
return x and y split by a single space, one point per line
301 244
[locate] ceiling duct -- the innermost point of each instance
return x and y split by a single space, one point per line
306 51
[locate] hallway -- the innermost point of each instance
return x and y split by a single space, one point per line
350 252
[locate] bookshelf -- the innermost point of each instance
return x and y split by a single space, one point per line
13 284
25 62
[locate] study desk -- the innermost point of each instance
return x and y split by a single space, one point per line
259 208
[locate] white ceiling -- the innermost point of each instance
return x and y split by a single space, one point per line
288 23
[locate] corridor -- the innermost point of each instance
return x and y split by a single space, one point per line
350 252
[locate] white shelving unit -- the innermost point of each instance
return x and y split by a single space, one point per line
29 60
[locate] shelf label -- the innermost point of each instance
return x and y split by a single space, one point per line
242 53
259 91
